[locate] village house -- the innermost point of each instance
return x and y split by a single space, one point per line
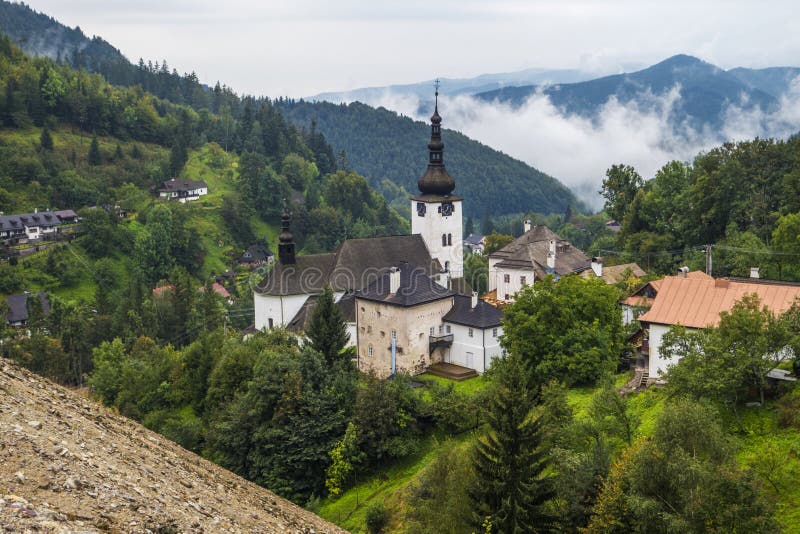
475 243
256 255
18 308
403 298
696 302
183 190
32 227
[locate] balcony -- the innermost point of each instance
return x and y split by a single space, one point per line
442 340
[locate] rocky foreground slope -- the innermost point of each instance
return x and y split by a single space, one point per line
68 464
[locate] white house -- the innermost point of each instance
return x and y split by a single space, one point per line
476 328
31 226
535 254
696 302
183 190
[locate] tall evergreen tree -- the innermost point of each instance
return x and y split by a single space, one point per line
328 331
94 152
46 140
512 492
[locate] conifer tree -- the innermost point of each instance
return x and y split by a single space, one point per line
512 493
94 152
46 140
328 331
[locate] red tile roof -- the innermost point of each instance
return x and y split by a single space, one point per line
697 302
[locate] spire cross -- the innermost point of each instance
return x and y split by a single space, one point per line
436 85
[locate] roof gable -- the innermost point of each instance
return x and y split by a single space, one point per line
416 287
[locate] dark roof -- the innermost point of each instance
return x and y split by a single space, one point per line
416 287
302 319
65 214
182 185
483 315
529 251
18 306
17 222
354 265
474 239
255 253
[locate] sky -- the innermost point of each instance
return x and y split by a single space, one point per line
304 47
301 48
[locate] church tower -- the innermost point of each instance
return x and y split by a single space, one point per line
435 213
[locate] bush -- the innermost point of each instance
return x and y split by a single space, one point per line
788 408
376 517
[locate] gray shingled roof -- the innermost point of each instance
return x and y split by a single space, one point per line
18 222
174 185
18 306
529 251
416 287
483 315
354 265
302 319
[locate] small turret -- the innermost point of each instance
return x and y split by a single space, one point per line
286 253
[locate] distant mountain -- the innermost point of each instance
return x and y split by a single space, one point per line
38 34
705 90
773 80
456 86
387 147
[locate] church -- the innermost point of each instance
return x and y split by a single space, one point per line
404 298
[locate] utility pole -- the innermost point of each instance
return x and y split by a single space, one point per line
708 260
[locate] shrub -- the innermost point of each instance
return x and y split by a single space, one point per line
376 517
788 408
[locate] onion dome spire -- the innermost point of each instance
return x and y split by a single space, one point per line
286 246
436 180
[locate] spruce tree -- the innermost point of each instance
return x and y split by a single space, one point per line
46 140
512 493
328 331
94 152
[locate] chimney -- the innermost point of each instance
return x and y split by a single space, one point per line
597 266
394 280
527 225
683 271
474 302
754 272
551 257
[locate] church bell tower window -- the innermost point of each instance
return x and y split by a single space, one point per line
421 209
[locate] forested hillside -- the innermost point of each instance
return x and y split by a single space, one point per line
742 198
390 150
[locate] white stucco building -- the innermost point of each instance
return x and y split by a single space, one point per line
535 254
696 302
183 190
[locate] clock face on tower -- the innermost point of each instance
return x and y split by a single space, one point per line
446 209
421 209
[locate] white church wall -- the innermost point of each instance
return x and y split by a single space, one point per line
281 309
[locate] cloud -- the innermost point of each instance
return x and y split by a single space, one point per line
578 150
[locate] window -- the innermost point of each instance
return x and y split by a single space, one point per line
506 278
363 329
508 297
470 332
431 330
369 329
270 322
383 334
370 351
441 329
444 240
522 280
447 266
494 332
379 314
448 329
449 239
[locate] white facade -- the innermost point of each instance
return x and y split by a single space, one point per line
657 365
509 282
442 232
273 311
474 348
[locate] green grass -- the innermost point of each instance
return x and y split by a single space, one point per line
469 386
387 485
